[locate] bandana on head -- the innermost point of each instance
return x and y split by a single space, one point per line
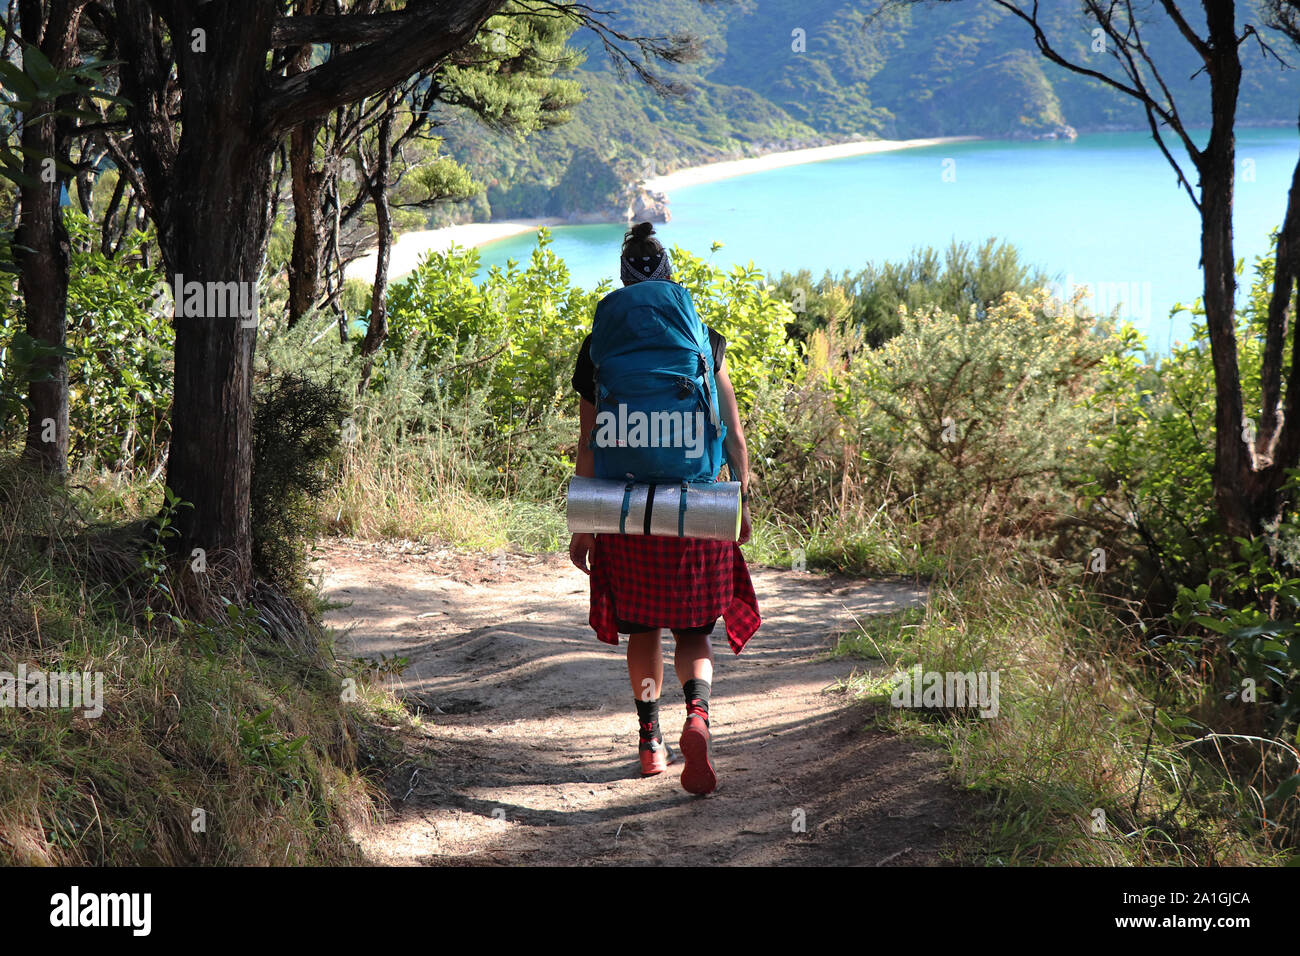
639 268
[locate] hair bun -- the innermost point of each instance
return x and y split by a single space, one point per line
643 230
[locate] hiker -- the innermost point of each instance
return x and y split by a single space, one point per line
643 583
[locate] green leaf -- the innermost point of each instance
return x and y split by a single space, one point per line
17 81
1286 790
108 98
16 175
86 116
1269 628
1213 623
38 66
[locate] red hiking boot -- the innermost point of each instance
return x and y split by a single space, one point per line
656 755
698 776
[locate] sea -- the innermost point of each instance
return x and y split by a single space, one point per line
1104 211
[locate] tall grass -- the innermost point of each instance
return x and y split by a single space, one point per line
422 458
224 738
413 491
1086 761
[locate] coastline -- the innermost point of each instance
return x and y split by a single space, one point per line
410 246
712 172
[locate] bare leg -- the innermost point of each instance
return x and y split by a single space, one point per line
694 659
645 664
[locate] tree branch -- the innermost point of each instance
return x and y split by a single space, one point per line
431 30
349 28
1138 92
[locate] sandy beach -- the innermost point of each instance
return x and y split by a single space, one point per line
410 246
712 172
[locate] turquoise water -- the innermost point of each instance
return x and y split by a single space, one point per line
1104 210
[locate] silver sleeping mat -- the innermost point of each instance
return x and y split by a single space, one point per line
712 511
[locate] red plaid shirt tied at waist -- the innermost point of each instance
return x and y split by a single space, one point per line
671 582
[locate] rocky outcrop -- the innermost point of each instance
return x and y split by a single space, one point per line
647 205
1059 131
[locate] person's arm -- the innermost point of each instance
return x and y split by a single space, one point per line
737 451
582 545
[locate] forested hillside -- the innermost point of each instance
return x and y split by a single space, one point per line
758 84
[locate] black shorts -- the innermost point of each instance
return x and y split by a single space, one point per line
704 630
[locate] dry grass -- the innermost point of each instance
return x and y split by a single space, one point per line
420 491
1074 737
224 737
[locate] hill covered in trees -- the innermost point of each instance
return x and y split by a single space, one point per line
781 75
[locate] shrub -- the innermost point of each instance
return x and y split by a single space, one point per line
1158 458
120 367
296 431
980 425
498 353
741 304
495 358
954 280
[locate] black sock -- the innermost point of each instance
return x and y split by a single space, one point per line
696 691
647 713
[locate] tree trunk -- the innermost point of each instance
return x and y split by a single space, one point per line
106 245
1232 453
44 262
1272 445
211 200
1278 445
307 184
308 232
210 462
377 330
215 229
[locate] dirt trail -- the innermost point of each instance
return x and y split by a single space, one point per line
528 753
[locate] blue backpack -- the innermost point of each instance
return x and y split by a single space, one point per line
657 412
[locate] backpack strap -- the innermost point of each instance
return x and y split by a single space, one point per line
627 504
710 399
649 507
681 514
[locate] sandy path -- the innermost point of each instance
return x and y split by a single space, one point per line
527 753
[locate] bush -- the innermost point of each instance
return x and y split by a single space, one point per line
1226 614
296 431
490 362
953 281
975 427
494 359
1158 458
120 370
742 305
